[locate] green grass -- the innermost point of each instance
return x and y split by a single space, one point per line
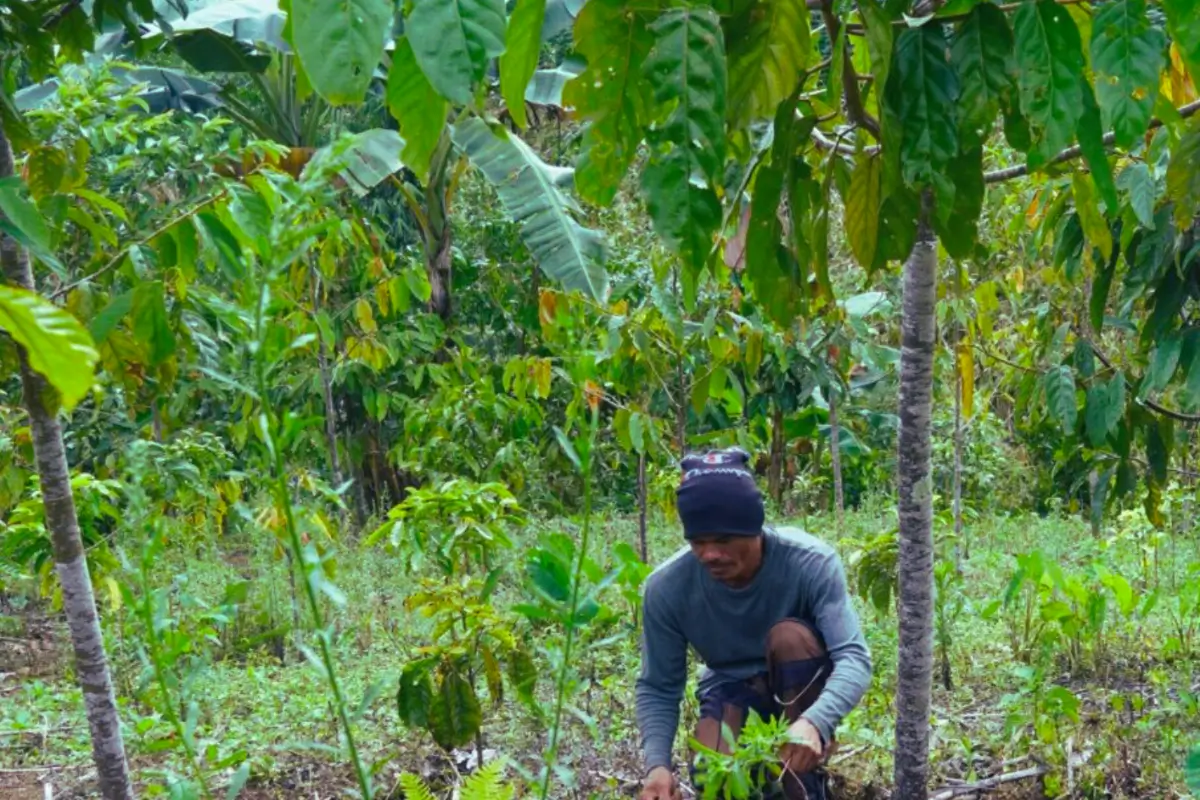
1137 704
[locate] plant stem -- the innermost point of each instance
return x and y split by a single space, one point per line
565 664
283 497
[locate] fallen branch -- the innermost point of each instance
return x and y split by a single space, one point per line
988 783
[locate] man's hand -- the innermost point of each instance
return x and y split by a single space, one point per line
661 785
804 753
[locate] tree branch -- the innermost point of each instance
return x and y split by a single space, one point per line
1150 404
855 111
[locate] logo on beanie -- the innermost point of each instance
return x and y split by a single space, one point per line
717 462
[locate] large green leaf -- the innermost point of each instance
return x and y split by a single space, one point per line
1183 22
1060 397
923 90
453 40
20 219
862 210
418 108
1095 153
1050 65
57 346
881 39
522 674
415 695
1100 288
1105 407
686 67
1127 55
982 55
455 714
609 94
1138 185
768 49
150 323
1191 771
958 227
1183 174
340 43
1163 362
531 192
520 57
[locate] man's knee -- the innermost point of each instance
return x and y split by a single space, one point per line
793 640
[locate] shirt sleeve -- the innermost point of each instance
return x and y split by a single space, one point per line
662 679
838 623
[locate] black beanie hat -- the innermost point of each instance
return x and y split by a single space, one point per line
718 495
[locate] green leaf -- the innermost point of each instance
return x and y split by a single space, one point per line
522 674
609 94
150 323
415 694
1091 142
764 273
569 449
637 435
417 107
862 210
1191 769
982 55
1060 397
1100 289
1095 226
455 715
768 50
520 58
1099 497
1183 174
923 91
56 345
1160 438
880 39
1183 23
958 227
453 41
531 192
550 575
20 219
1163 362
1050 66
686 67
110 316
340 43
1128 54
238 781
369 158
1139 187
1105 405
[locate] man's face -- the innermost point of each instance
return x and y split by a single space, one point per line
729 559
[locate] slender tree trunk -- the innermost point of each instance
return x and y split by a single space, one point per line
775 475
642 503
835 453
91 662
437 233
438 268
960 546
915 673
331 438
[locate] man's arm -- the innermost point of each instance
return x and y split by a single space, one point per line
838 624
663 676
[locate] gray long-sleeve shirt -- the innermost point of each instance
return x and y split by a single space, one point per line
801 577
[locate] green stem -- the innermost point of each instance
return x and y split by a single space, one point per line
283 497
565 664
160 677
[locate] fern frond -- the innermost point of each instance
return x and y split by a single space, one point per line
486 784
415 788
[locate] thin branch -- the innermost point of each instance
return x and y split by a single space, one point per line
1150 404
988 783
856 29
51 21
1003 360
1071 153
855 111
124 251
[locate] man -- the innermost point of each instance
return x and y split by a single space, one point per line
767 612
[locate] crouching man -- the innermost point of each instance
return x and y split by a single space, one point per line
769 614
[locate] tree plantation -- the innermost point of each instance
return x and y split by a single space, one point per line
392 396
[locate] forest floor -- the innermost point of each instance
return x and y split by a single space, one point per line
1102 712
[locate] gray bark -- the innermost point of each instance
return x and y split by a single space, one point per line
835 439
914 683
79 604
331 440
961 545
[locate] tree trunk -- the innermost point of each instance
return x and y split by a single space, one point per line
775 475
642 503
438 267
960 546
915 673
331 439
437 232
835 453
79 604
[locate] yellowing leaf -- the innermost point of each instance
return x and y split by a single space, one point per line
966 376
362 313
